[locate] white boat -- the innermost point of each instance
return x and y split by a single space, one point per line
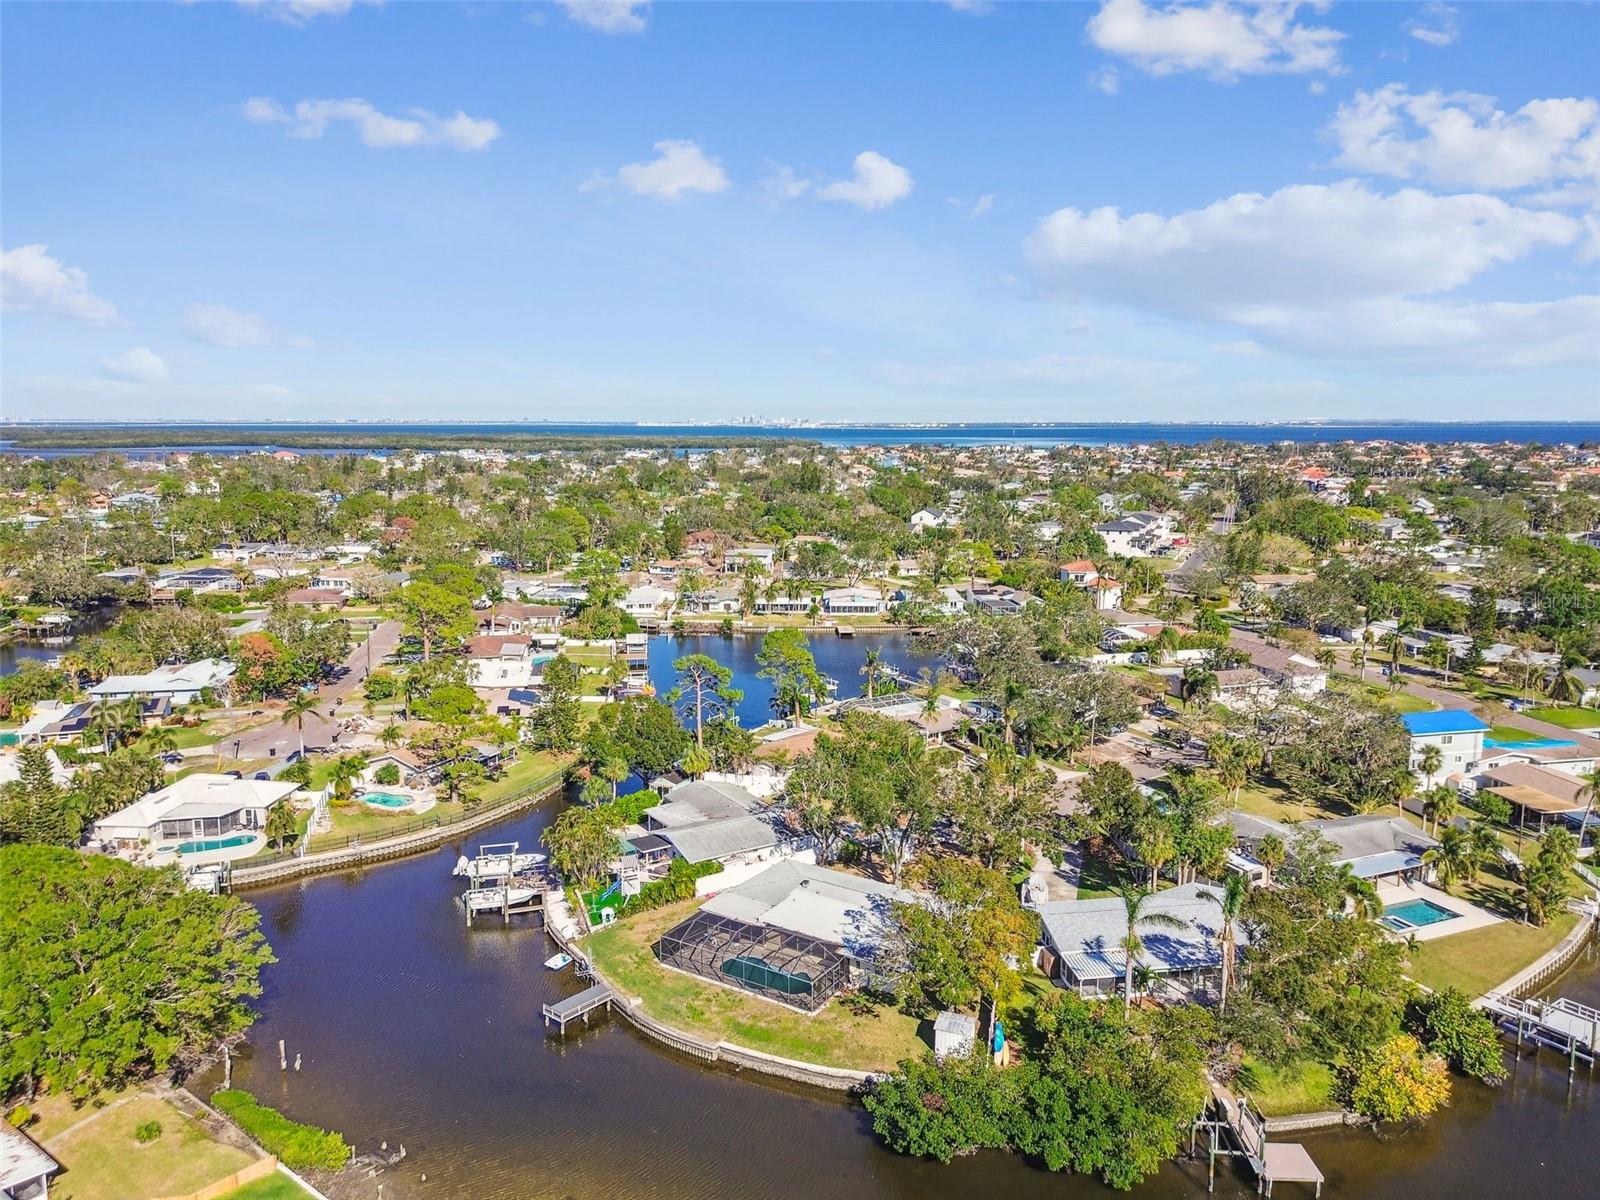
496 865
557 962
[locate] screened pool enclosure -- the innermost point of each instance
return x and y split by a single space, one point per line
789 968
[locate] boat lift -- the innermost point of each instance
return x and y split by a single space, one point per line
1562 1025
504 881
1236 1129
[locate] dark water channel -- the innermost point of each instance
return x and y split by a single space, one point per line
416 1030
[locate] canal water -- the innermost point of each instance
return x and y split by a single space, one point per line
838 658
420 1032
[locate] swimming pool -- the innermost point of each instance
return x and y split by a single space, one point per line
1415 914
9 738
1528 743
227 843
386 799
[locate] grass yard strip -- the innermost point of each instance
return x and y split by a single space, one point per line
1298 1087
836 1036
104 1161
1480 960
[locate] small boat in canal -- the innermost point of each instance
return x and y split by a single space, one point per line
558 962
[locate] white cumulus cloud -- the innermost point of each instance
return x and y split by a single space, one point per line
139 365
1468 140
1338 269
609 16
302 12
418 127
877 183
32 281
1222 39
680 166
228 328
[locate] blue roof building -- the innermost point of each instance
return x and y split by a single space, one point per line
1448 720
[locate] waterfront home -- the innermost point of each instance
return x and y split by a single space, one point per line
179 683
409 764
995 599
853 602
195 808
786 606
1084 940
25 1166
164 588
511 617
1376 848
647 600
794 933
702 821
1540 796
1456 733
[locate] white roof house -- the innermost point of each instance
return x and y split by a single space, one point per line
25 1166
180 682
199 805
1087 936
846 911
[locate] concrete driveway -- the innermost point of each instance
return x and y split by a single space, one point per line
322 729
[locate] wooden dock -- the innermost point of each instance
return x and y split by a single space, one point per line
1238 1121
1562 1025
579 1005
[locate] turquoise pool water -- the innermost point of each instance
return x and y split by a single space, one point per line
1530 743
10 739
227 843
386 799
1414 914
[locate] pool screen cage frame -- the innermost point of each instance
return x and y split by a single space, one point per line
704 942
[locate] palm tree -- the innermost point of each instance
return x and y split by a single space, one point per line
299 706
1198 682
1440 804
1453 858
280 823
1134 900
159 740
1430 760
342 777
614 771
1156 848
1271 853
391 735
872 669
1361 893
1589 793
1230 902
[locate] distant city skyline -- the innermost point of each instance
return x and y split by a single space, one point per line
612 211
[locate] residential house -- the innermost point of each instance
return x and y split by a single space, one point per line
1540 796
199 580
1104 592
1135 535
196 807
737 558
512 617
1290 672
853 602
179 683
25 1166
316 598
925 519
1084 939
704 822
1376 848
502 660
647 600
794 933
1457 734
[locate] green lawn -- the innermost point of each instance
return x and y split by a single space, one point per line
1514 733
1480 960
1377 693
357 819
276 1186
837 1036
1098 878
526 772
104 1161
1568 718
1299 1087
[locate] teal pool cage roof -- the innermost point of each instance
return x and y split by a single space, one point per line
774 964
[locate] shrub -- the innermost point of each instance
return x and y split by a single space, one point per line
382 685
678 885
1398 1081
147 1132
20 1117
1463 1035
388 774
295 1144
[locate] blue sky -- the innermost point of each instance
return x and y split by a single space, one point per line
899 211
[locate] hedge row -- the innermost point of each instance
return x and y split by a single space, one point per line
296 1145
